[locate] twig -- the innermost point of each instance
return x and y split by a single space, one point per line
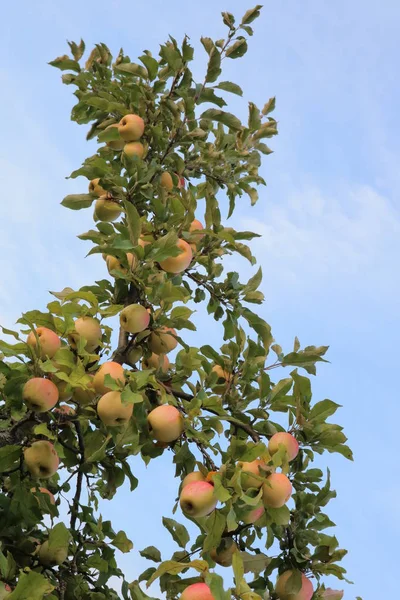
75 503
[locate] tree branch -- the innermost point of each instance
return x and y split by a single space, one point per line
76 500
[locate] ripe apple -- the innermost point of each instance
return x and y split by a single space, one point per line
41 459
51 557
305 593
181 182
287 440
134 318
134 150
252 476
5 590
177 264
95 188
89 329
112 411
277 490
195 229
157 361
43 490
131 128
162 340
197 499
197 591
40 394
167 181
224 553
114 264
64 410
106 210
84 395
190 477
166 423
49 342
115 144
253 515
115 370
223 379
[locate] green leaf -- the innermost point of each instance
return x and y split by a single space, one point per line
9 457
228 86
78 201
280 389
64 63
222 117
214 65
269 106
251 14
214 525
151 65
174 567
254 563
178 531
137 593
132 69
280 516
322 410
151 553
59 537
238 49
130 397
133 219
31 586
122 542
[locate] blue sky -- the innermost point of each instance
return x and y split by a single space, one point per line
329 218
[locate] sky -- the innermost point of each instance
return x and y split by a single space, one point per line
329 220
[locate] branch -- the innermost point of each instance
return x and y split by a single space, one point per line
76 500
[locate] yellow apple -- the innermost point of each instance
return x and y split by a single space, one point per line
114 264
223 379
157 361
253 515
51 557
95 188
190 477
252 476
112 411
224 553
41 459
131 128
40 394
197 499
89 329
167 181
134 150
287 441
178 264
277 490
115 370
162 340
106 210
166 423
305 593
197 591
134 318
49 342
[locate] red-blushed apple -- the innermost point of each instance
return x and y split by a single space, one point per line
305 593
197 591
134 318
131 128
95 188
89 329
287 440
157 361
253 515
166 181
224 553
134 150
43 490
252 476
178 264
50 557
49 342
5 590
106 210
162 340
190 477
41 459
40 394
277 490
115 370
197 499
112 411
64 411
166 423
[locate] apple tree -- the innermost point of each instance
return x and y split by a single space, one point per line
79 405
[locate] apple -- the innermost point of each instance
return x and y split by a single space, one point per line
166 423
95 188
5 590
305 593
134 318
114 264
224 553
197 499
64 410
106 210
223 379
167 181
177 264
330 594
40 394
190 477
252 476
115 144
287 440
131 128
195 229
51 557
134 355
49 342
253 515
197 591
89 329
84 395
181 182
162 340
112 411
157 361
43 490
115 370
134 150
277 490
41 459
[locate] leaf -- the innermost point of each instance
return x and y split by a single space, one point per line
78 201
133 219
280 516
151 65
251 14
137 593
254 563
151 553
214 65
222 117
228 86
237 50
130 397
330 594
132 69
280 389
214 525
31 586
174 567
269 106
59 537
64 63
178 531
322 410
122 542
9 457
